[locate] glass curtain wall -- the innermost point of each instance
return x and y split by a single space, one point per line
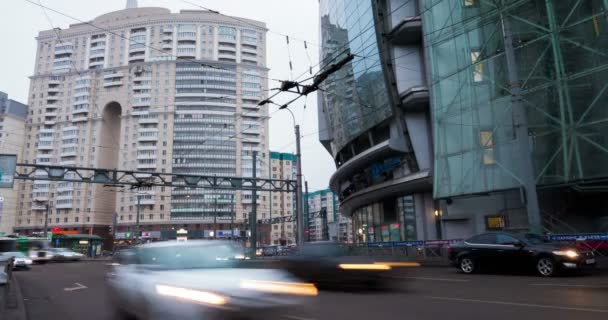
561 65
355 98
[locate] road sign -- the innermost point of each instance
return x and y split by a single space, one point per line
8 163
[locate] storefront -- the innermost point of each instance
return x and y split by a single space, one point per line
388 221
89 245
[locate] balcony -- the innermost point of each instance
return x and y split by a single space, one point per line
140 103
140 112
146 165
80 118
154 130
52 98
64 50
96 64
50 114
148 137
55 89
45 145
248 50
38 207
146 202
146 147
112 83
68 162
63 205
147 156
54 82
226 56
251 60
65 187
148 120
50 122
47 130
97 54
68 154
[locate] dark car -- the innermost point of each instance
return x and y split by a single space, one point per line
328 265
509 250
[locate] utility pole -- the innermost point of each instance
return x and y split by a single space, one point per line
215 217
299 200
232 214
46 219
114 221
307 210
520 122
253 221
137 235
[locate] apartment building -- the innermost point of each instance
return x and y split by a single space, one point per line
147 90
322 216
282 204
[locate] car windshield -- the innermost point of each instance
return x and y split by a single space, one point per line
533 238
323 250
184 256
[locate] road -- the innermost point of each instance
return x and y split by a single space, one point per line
74 291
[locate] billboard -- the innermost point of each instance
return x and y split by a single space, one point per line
8 163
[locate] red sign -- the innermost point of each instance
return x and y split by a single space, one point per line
57 230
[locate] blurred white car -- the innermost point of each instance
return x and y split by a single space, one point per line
21 260
64 254
198 280
41 255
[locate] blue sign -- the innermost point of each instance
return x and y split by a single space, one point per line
579 237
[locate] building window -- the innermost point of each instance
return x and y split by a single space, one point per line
486 138
477 66
495 222
76 219
470 3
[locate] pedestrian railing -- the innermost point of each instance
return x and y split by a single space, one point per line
6 273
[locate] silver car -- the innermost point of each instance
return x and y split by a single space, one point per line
21 260
198 280
64 254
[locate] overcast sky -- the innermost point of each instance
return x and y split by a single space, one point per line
299 18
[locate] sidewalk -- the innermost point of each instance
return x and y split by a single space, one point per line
11 301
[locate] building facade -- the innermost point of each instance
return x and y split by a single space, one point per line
374 119
147 90
12 131
322 222
511 91
282 204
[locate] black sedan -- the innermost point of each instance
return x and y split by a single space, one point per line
509 250
328 265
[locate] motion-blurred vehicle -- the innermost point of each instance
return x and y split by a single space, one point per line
21 260
509 250
64 254
198 279
328 265
42 255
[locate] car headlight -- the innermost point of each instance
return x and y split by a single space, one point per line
294 288
566 253
203 297
364 266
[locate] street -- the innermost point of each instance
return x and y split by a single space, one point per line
69 291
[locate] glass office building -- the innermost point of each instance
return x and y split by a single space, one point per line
489 59
374 118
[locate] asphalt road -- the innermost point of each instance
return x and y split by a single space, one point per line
75 291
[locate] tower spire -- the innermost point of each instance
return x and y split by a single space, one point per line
131 4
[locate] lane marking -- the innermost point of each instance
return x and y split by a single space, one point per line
296 317
78 286
518 304
569 285
435 279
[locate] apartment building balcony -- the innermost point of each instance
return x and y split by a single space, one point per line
141 102
52 98
53 89
148 120
112 83
140 112
80 118
96 41
147 137
63 205
142 97
54 82
68 154
249 50
45 145
251 60
96 63
141 86
226 55
152 129
147 202
68 162
146 147
147 156
50 114
167 45
146 165
65 186
50 122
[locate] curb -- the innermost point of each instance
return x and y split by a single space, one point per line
15 307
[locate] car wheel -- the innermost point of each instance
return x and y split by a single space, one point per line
546 267
467 265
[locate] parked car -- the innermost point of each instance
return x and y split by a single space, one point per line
328 265
198 279
21 260
510 250
64 254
